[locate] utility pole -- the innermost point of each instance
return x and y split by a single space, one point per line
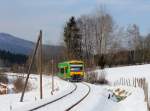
52 76
39 41
40 57
30 66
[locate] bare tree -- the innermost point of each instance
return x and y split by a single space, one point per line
146 46
96 31
85 23
104 29
134 42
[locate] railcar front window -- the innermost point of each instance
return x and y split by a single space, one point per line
76 69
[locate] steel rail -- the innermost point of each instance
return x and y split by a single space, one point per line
71 107
55 99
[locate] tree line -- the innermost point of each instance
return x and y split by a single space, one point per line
99 41
8 59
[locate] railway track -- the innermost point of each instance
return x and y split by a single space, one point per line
63 97
55 99
74 105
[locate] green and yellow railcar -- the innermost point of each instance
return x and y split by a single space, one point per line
71 70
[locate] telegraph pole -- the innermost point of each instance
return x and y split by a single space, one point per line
52 62
30 66
40 58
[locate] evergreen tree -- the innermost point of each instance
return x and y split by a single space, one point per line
73 39
9 58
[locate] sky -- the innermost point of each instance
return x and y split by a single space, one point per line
24 18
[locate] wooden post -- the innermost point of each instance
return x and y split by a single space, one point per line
146 92
40 64
129 82
52 77
133 81
29 69
138 82
123 81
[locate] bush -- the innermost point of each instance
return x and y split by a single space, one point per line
3 79
102 78
95 78
91 77
19 85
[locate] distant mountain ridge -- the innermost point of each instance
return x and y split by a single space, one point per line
20 46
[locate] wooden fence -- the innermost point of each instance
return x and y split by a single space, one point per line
135 82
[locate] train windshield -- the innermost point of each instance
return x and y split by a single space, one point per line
76 68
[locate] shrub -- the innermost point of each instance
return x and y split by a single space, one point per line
19 85
3 79
91 77
102 78
96 78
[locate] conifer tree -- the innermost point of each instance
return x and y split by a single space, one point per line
73 39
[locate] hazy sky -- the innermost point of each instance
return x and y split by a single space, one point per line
24 18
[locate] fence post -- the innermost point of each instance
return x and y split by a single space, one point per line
135 82
129 82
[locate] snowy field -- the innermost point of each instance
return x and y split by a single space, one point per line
128 72
98 101
32 98
100 98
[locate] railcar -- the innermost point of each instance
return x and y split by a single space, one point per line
71 70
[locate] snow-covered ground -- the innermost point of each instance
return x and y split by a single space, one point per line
32 98
129 72
69 100
99 99
138 71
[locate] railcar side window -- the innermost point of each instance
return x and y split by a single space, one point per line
66 69
62 70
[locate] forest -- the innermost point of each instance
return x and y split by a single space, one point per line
98 40
8 59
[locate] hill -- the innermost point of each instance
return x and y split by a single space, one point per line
20 46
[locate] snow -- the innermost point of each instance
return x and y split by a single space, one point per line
32 98
129 72
97 100
138 71
69 100
48 97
